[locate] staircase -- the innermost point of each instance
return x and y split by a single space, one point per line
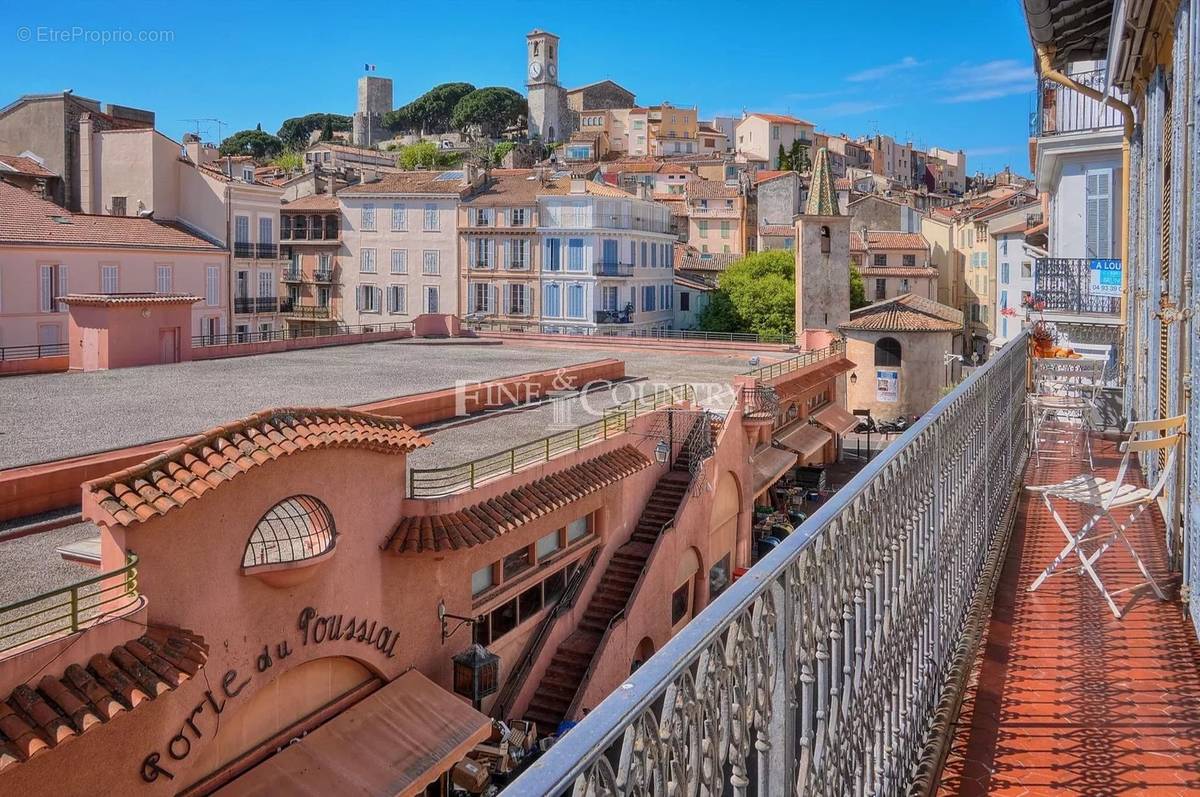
571 662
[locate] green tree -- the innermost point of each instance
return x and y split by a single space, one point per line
294 132
327 130
858 289
429 113
254 143
288 161
755 294
782 159
422 155
493 109
500 150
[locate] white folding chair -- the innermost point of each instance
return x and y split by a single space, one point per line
1062 404
1102 496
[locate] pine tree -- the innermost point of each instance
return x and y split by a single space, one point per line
327 130
784 162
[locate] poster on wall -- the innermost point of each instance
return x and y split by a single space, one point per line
887 386
1104 277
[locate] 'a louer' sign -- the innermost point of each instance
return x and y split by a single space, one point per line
1104 277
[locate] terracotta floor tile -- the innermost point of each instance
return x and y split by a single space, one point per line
1066 699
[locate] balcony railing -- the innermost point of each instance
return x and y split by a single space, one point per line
69 609
760 403
33 351
295 332
323 275
714 212
1064 110
262 304
309 312
612 269
437 482
266 251
243 250
293 275
666 334
614 316
799 361
825 669
1078 285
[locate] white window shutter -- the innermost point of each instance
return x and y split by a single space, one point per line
64 286
358 298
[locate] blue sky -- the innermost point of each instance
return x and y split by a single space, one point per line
953 74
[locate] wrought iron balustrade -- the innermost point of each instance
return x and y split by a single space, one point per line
612 268
1064 110
243 249
759 403
1065 284
825 669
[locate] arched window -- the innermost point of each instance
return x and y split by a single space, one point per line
825 240
887 352
295 529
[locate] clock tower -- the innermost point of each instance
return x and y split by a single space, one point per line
546 98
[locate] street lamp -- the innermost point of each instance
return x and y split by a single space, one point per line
662 451
476 673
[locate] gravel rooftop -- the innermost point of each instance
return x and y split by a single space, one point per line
51 416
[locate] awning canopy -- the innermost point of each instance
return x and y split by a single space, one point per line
835 419
769 465
805 438
395 742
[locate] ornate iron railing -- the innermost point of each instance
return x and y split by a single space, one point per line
759 403
68 609
824 669
800 361
1065 110
1065 285
437 482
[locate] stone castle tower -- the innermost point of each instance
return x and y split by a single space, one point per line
547 99
374 100
822 255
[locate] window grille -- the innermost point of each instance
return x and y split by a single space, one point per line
295 529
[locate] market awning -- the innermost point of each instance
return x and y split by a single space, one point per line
805 439
395 742
835 419
769 465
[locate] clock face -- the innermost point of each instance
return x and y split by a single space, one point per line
535 70
553 71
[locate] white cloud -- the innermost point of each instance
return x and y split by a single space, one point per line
989 80
877 72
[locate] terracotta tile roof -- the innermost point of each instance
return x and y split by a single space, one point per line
711 189
695 260
803 380
898 271
766 175
856 243
311 202
110 299
24 165
27 219
207 460
483 522
776 229
843 184
419 182
673 168
781 119
33 720
889 239
694 283
906 313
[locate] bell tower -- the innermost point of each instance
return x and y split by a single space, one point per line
546 99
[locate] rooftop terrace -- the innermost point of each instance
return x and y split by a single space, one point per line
53 416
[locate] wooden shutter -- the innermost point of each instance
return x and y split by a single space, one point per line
1164 329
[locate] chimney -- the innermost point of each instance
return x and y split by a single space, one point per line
470 173
86 176
578 185
193 147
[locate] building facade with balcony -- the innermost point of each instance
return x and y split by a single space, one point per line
1015 256
759 136
310 247
400 247
499 249
607 259
1076 154
893 263
717 217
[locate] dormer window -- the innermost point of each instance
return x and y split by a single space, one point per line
247 174
292 536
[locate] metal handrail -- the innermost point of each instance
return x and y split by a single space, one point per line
438 482
517 675
199 341
800 361
856 600
693 471
33 351
547 328
79 604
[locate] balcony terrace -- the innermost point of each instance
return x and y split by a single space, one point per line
1079 286
1063 110
835 665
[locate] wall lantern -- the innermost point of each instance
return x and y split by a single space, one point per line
476 673
662 451
854 378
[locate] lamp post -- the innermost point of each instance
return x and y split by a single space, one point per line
476 669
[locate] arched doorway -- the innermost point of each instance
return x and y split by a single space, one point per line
642 654
723 520
288 707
